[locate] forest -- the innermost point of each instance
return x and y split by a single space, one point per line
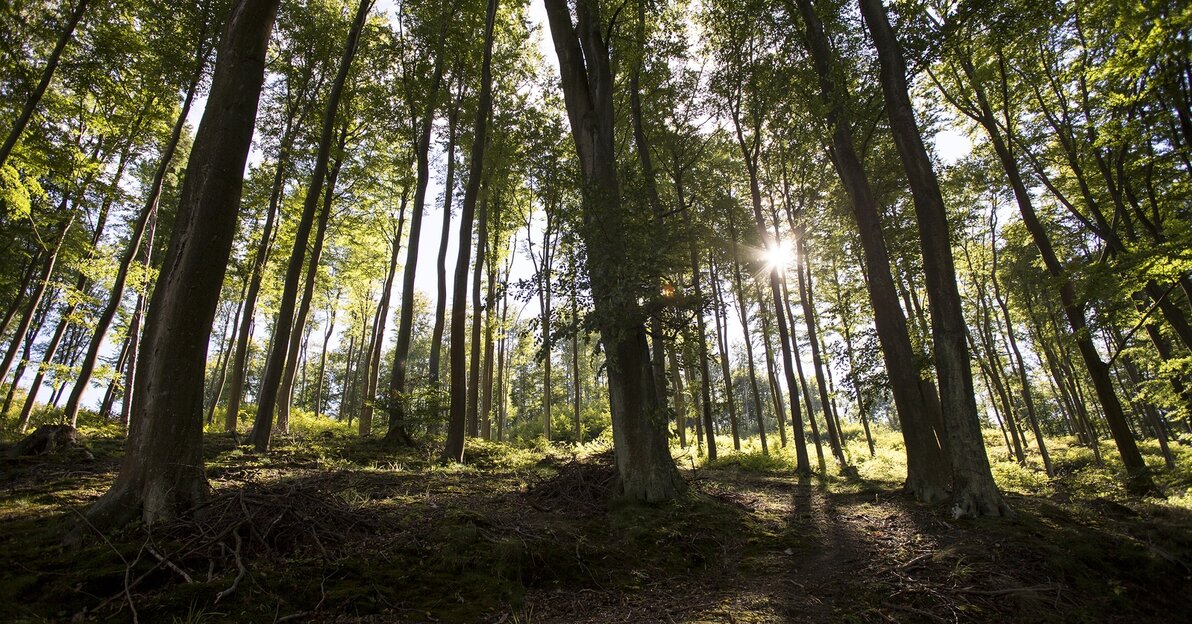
516 311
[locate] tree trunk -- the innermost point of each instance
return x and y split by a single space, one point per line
372 367
436 337
472 413
47 74
285 389
722 346
319 378
647 471
454 449
808 305
927 466
162 473
701 339
275 364
398 433
261 257
771 373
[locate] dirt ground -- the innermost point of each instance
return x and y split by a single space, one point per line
341 531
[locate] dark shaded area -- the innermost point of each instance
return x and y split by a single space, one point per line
331 529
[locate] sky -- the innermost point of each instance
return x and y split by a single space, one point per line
950 144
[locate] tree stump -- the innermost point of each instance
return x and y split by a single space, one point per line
49 439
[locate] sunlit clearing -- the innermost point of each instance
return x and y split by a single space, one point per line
778 256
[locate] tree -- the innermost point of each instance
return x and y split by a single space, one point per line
646 470
274 368
456 424
973 489
162 473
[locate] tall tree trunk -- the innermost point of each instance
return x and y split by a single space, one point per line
771 373
275 363
260 258
486 375
927 465
803 388
1074 309
436 337
454 448
116 296
743 313
973 489
398 433
285 388
576 382
134 332
785 339
162 473
47 74
501 364
808 305
372 367
1028 396
701 339
319 378
647 471
845 323
722 346
472 413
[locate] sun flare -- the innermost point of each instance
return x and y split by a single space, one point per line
778 256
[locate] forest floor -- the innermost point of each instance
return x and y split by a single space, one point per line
329 528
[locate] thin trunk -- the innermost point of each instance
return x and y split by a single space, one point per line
743 313
275 364
47 74
927 465
771 373
323 354
436 339
722 346
397 433
116 296
454 448
701 339
372 367
808 305
285 388
474 353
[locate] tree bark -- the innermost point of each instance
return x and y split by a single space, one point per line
647 471
927 466
454 448
162 473
275 364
